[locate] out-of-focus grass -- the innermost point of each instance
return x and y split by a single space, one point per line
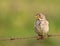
17 20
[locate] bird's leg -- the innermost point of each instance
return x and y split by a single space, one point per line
39 37
44 36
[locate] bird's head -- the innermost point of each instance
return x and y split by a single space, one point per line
39 16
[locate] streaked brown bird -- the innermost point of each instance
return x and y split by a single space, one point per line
41 26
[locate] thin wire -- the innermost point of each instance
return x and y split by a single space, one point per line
22 38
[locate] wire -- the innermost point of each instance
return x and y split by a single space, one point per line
22 38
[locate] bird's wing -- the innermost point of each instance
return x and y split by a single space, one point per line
37 25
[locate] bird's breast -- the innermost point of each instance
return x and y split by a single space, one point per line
44 26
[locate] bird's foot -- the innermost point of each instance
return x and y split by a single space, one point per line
44 37
41 37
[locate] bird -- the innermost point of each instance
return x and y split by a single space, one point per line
41 26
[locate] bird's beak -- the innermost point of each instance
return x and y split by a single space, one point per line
37 17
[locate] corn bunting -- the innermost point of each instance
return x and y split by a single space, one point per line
41 26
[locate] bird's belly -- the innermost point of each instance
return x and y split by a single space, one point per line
44 28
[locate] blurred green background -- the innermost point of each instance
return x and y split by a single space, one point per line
17 20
